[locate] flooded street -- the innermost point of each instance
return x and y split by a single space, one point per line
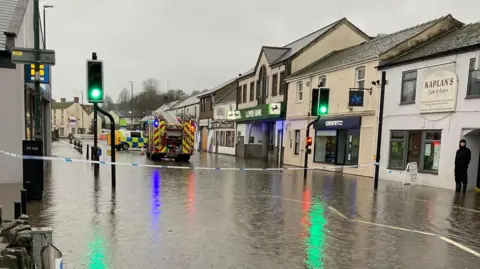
173 218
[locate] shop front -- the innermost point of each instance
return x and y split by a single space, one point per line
224 136
203 124
260 131
337 141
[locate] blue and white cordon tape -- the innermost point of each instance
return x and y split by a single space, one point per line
70 160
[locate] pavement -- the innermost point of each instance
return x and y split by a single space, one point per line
182 218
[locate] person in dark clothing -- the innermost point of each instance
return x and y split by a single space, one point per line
462 160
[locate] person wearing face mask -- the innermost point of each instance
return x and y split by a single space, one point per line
462 160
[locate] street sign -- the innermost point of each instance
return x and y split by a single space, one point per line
27 56
44 73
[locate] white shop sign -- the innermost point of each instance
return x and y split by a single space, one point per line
439 92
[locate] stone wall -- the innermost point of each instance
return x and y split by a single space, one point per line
16 243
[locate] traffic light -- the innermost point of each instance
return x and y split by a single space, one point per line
309 141
94 81
320 99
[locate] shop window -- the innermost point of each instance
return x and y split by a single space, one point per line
409 87
360 77
283 83
325 146
300 91
274 84
297 142
422 147
473 79
244 93
252 91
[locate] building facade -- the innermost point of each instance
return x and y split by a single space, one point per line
71 118
223 123
16 30
207 100
344 140
261 93
431 102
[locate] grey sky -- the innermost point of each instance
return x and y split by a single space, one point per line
200 44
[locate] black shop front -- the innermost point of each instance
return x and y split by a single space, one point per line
337 141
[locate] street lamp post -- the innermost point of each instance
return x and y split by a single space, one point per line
45 25
83 129
131 115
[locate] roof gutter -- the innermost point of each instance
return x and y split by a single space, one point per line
431 56
329 70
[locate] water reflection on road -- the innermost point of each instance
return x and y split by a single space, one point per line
226 219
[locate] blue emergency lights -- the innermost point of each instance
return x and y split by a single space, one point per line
155 123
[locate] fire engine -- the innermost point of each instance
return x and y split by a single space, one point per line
169 137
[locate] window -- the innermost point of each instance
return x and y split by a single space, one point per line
135 134
225 138
252 91
422 147
202 104
297 142
325 146
274 84
322 82
300 91
283 83
211 99
360 77
473 79
409 87
257 90
239 94
244 93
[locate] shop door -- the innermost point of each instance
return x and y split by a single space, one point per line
204 138
353 147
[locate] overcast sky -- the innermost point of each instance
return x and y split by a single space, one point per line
200 44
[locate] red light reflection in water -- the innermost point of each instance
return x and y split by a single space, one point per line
306 200
191 194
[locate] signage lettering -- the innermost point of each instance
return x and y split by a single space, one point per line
334 123
253 113
439 92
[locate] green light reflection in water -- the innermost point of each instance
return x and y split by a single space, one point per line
96 251
315 240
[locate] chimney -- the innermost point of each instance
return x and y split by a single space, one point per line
75 99
63 100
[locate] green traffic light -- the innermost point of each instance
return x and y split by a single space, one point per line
323 110
95 93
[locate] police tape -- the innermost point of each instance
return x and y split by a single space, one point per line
71 160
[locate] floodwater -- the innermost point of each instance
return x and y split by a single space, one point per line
177 218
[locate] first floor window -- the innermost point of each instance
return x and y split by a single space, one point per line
300 91
297 142
421 147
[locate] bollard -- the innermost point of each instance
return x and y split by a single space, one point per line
41 237
17 209
24 201
88 149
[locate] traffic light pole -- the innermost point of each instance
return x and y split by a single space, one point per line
112 143
95 131
38 93
307 147
379 133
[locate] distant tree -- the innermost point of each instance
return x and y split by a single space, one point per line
108 103
124 96
195 92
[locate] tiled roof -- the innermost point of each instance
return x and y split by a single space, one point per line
301 43
273 53
463 37
11 17
216 88
191 100
366 50
227 96
61 105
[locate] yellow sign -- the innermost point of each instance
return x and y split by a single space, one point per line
17 53
42 70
